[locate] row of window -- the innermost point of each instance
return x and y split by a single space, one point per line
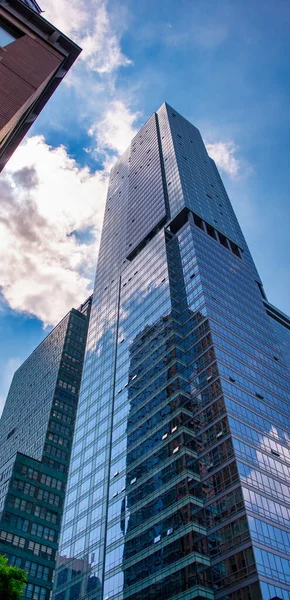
43 532
49 498
48 515
30 490
58 415
31 568
34 547
63 406
39 511
51 482
55 465
55 426
55 452
67 386
53 437
35 592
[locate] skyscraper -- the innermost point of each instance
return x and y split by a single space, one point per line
36 432
34 57
179 481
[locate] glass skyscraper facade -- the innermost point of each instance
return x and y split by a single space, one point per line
179 479
36 431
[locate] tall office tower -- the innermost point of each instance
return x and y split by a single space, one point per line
179 479
34 57
36 432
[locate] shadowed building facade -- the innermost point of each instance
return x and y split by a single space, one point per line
34 57
179 481
36 431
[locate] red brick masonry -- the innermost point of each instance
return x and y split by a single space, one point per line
25 65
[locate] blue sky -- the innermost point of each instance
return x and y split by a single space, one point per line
223 64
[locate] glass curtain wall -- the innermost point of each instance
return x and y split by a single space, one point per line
179 480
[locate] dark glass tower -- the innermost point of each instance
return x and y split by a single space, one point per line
35 444
179 481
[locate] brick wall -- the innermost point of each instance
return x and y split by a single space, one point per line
25 65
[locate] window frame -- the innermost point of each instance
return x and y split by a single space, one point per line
13 32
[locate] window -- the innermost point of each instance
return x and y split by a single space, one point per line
75 591
12 430
41 550
15 540
35 570
235 249
49 497
223 240
23 487
20 504
198 221
43 513
43 532
53 464
35 592
51 482
7 34
20 523
210 231
29 472
275 452
14 561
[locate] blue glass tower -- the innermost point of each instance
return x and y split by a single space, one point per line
179 480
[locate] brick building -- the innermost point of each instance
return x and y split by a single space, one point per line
34 57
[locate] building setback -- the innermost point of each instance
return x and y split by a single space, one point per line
34 57
179 480
36 431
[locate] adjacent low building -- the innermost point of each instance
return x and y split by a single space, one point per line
36 431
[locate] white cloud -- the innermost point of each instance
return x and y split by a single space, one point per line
45 269
46 202
45 197
91 26
223 153
115 131
68 15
